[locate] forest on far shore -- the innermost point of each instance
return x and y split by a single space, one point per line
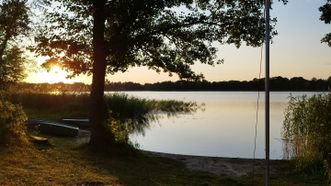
276 84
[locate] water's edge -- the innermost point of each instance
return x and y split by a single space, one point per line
234 167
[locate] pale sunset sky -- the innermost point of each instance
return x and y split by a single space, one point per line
296 51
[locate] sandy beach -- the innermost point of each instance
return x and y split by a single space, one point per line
234 167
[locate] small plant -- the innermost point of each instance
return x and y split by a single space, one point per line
307 126
12 124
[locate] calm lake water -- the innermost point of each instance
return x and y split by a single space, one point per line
224 127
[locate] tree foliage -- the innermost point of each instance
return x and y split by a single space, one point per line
326 17
12 68
14 22
167 36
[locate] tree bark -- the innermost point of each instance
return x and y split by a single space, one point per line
99 136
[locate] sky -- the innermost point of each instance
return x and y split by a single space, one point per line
295 51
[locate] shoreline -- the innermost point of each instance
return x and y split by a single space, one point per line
228 166
233 167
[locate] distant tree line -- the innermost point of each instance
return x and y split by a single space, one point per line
50 88
277 84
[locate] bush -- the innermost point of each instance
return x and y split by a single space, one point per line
307 126
12 124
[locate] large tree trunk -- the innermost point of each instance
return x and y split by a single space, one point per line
99 135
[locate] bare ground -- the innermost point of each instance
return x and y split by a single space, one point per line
234 167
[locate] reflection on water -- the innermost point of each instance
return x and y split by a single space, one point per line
224 128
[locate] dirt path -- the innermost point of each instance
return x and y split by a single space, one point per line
234 167
225 166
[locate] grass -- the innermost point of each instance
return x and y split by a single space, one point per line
46 167
57 106
288 179
59 165
63 164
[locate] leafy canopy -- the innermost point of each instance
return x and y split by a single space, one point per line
12 68
164 35
14 19
326 17
14 22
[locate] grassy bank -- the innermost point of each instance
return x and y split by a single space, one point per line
61 164
66 166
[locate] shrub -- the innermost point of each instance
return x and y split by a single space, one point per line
12 124
307 126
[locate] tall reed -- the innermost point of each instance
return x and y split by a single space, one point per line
307 126
125 114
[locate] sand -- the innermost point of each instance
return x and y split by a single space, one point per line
234 167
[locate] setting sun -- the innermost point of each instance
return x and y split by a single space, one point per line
54 75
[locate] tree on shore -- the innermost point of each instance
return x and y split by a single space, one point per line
106 36
326 17
14 22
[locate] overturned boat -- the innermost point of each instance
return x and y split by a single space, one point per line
53 128
81 123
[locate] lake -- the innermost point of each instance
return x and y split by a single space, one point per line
223 128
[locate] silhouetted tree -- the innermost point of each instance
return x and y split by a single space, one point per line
12 67
107 36
14 22
279 83
326 17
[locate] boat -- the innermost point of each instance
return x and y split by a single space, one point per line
81 123
53 128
